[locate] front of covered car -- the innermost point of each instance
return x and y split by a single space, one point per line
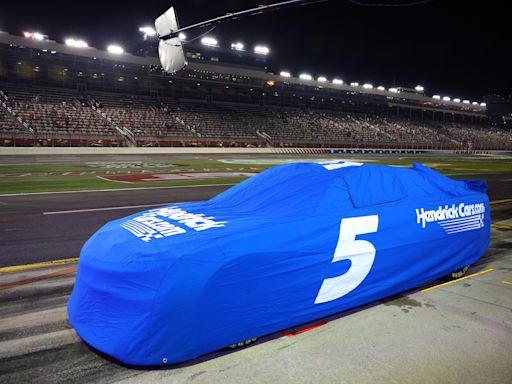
290 245
139 278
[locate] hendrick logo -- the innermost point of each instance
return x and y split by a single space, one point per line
455 218
154 224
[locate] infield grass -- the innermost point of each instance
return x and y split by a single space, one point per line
48 177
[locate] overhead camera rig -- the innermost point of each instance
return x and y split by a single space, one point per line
170 46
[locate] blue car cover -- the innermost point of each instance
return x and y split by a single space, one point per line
293 244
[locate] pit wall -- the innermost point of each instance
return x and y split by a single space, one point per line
27 151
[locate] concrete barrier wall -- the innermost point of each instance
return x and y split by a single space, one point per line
27 151
127 151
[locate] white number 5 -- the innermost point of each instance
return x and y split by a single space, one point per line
361 254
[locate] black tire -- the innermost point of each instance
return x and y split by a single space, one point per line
457 274
242 344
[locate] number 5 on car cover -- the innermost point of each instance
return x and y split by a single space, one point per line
295 243
361 253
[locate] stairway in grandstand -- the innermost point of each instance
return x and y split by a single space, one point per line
124 132
10 120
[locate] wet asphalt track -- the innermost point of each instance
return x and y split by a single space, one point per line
36 228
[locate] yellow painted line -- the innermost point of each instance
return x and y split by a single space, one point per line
454 281
506 282
501 226
45 264
504 201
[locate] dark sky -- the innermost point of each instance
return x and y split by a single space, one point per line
454 48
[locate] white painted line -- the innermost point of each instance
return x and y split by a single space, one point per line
106 208
116 181
117 189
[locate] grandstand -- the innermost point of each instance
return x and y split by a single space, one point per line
55 95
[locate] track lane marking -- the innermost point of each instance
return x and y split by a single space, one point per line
501 226
107 208
13 284
318 325
44 264
506 282
117 189
456 280
503 201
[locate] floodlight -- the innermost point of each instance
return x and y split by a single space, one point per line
261 50
209 41
34 35
305 76
446 98
381 88
465 102
76 43
474 103
115 49
419 88
238 46
322 79
182 36
456 100
393 90
483 104
148 31
285 74
437 97
354 84
367 86
337 81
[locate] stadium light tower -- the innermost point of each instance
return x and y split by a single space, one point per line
170 46
115 49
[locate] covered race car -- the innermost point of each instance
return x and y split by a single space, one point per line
293 244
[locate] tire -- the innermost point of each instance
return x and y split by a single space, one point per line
242 344
457 274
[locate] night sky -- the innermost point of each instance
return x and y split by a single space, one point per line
453 48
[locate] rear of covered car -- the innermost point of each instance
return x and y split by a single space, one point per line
290 245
